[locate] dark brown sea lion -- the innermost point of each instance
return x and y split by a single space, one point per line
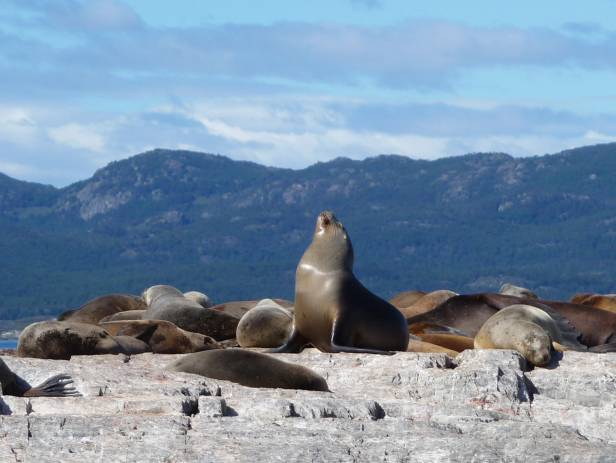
406 298
168 303
161 336
120 316
61 340
333 311
56 386
427 302
250 369
93 311
467 313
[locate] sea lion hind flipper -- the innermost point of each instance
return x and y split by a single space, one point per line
56 386
294 345
603 348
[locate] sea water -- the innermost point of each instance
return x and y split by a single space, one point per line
8 343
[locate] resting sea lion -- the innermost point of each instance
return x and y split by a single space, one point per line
239 308
600 301
333 311
127 315
93 311
427 302
467 313
56 386
250 369
61 340
161 336
529 330
422 346
450 341
406 298
167 303
265 325
512 290
202 299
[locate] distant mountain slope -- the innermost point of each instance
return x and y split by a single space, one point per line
237 229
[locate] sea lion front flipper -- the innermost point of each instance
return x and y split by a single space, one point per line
294 345
56 386
337 344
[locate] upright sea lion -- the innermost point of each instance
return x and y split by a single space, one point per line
467 313
167 303
529 330
250 369
267 324
406 298
103 306
161 336
61 340
511 290
56 386
333 311
427 302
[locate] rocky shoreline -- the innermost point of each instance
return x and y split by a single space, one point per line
483 405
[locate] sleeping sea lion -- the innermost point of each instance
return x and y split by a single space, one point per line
61 340
427 302
530 331
103 306
265 325
126 315
251 369
416 345
511 290
56 386
239 308
202 299
406 298
600 301
161 336
333 311
167 303
454 342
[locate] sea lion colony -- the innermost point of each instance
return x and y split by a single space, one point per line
332 311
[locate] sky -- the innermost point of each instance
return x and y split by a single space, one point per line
290 83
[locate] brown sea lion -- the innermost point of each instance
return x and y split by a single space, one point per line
406 298
530 331
422 346
161 336
450 341
168 303
333 311
427 302
511 290
239 308
127 315
251 369
265 325
56 386
467 313
96 309
579 297
600 301
61 340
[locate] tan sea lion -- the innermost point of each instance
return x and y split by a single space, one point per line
251 369
103 306
168 303
61 340
406 298
161 336
529 330
601 301
511 290
56 386
579 297
333 311
427 302
422 346
126 315
450 341
239 308
202 299
467 313
265 325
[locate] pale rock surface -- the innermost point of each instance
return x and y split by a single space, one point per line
481 406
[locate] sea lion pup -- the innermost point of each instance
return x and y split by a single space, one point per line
427 302
161 336
265 325
167 303
511 290
333 311
467 313
251 369
530 331
61 340
127 315
202 299
406 298
56 386
103 306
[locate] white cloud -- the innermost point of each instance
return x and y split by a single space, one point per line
17 126
78 136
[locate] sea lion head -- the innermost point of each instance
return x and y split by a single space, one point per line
331 247
536 346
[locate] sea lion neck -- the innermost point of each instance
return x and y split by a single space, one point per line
331 250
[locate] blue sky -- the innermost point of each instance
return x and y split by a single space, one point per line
290 83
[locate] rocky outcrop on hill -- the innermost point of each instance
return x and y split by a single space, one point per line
481 406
